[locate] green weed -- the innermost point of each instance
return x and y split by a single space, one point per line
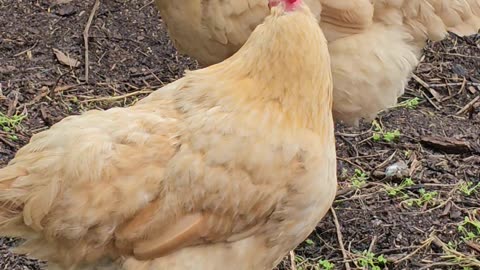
424 199
467 188
326 265
409 104
359 179
9 124
380 134
369 260
470 228
394 191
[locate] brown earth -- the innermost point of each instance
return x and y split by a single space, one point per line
130 54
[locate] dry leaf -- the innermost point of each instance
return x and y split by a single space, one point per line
65 59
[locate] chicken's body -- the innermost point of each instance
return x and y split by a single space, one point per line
228 168
375 44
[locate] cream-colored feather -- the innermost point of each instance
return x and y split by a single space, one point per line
230 167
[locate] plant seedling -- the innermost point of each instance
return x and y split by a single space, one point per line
387 136
326 265
470 228
398 190
369 260
467 188
409 104
425 198
359 179
8 124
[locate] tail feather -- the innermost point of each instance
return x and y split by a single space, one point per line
11 204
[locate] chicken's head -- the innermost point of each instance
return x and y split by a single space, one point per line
290 5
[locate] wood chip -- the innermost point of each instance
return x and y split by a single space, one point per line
65 59
447 145
472 90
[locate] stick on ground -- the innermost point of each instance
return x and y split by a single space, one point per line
86 36
340 239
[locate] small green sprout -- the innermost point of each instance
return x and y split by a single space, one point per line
13 137
359 179
379 134
398 190
326 265
8 124
309 242
452 245
409 104
391 136
467 188
369 260
425 198
470 228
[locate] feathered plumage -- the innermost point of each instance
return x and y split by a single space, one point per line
231 166
382 38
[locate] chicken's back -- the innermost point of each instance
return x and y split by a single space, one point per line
430 19
211 31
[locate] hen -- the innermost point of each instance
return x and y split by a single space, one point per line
230 167
374 44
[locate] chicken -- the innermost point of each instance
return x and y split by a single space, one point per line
374 44
231 166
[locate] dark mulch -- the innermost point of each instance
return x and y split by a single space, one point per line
130 54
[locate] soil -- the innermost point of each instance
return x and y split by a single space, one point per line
130 54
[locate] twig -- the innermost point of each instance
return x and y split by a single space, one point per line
424 84
431 102
292 260
52 90
473 246
385 163
340 239
424 244
118 97
454 84
29 49
468 106
372 244
460 258
86 34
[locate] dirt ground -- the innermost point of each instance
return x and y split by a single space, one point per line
409 183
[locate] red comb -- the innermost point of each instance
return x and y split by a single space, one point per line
289 3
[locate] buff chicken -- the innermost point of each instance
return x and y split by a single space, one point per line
374 44
230 167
